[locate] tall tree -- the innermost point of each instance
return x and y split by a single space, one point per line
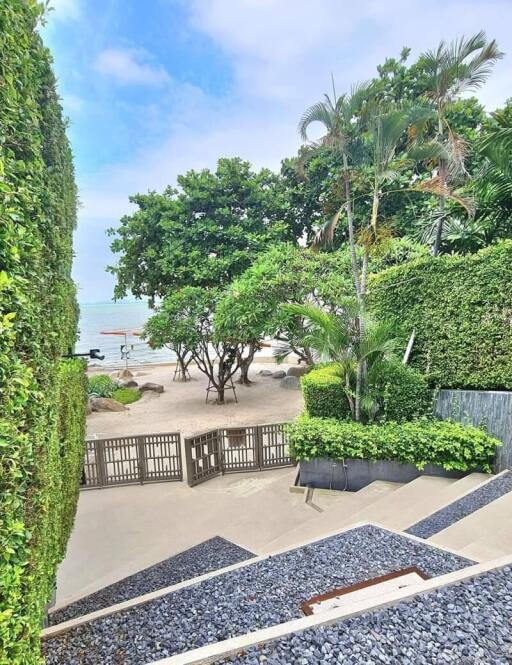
452 69
204 233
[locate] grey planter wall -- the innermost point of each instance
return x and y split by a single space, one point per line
476 407
330 474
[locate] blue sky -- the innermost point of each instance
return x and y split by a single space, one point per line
156 87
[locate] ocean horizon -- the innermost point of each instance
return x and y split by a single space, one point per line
123 316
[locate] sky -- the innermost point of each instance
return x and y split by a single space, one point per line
153 88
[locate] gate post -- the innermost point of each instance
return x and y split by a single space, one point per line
258 441
99 453
141 454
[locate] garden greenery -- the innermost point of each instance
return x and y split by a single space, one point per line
452 446
403 393
42 397
101 385
461 310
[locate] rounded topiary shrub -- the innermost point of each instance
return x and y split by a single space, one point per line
324 394
406 394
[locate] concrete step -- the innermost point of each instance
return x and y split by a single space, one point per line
484 535
340 513
433 501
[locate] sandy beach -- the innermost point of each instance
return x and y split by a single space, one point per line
181 407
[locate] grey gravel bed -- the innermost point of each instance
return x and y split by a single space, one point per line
461 508
469 623
203 558
258 595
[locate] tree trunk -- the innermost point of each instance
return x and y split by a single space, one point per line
351 234
442 200
244 365
182 374
220 394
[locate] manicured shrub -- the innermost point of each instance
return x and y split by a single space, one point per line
324 395
405 393
101 385
126 395
461 309
453 446
42 398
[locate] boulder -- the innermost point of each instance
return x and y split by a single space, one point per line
89 407
296 370
152 387
265 372
128 383
290 383
279 374
125 374
106 404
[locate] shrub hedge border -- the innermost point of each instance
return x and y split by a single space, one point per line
461 309
452 446
42 398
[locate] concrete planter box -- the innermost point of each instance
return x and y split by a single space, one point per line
330 474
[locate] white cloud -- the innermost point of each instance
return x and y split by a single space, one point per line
66 10
130 67
72 103
282 53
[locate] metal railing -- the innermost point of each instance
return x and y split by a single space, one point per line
236 449
132 459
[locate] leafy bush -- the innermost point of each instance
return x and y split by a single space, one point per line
461 308
101 385
126 395
324 394
450 445
405 394
42 399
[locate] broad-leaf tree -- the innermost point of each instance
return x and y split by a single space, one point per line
204 233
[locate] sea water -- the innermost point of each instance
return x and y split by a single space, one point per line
130 317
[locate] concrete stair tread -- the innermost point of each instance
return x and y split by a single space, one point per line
482 535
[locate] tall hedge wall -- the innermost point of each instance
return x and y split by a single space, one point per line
461 308
42 397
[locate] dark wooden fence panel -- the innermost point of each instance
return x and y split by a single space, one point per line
203 455
132 459
236 449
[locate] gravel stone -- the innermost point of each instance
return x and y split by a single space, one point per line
465 624
461 508
203 558
258 595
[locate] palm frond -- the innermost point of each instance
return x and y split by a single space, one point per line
325 234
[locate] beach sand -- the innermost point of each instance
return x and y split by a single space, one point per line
181 407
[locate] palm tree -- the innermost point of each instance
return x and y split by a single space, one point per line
338 115
452 69
494 183
336 337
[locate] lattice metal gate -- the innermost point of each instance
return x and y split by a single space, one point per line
132 459
235 449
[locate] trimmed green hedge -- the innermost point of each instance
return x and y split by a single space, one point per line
405 394
461 308
127 395
323 392
42 398
450 445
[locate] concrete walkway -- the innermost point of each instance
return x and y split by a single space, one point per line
121 530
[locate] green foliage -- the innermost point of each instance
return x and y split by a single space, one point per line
101 385
402 393
126 395
203 234
461 309
405 393
42 401
450 445
324 393
250 307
